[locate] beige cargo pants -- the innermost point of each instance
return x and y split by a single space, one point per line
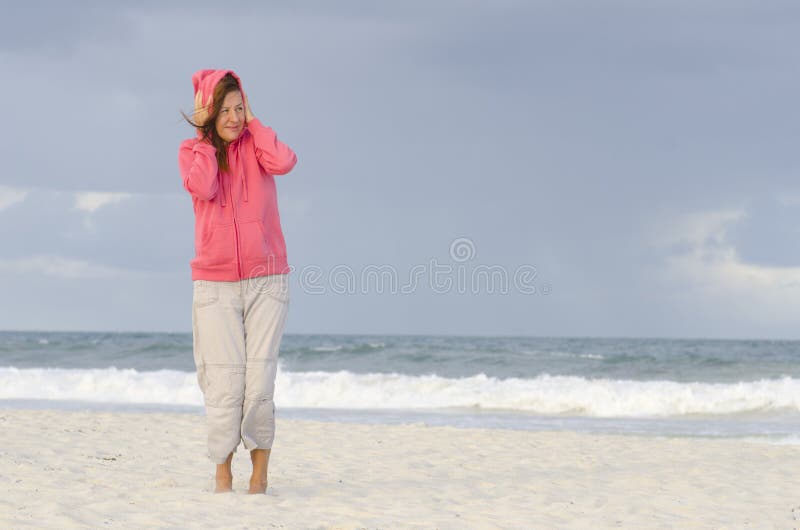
237 328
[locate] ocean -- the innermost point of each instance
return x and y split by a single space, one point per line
661 387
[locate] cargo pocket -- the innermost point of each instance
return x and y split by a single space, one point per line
205 293
201 378
279 287
224 385
276 286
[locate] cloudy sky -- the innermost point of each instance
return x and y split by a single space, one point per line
638 162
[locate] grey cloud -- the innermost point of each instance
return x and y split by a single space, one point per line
768 234
55 29
143 233
550 132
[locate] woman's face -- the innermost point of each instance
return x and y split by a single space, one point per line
230 121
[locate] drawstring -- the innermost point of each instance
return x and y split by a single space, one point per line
243 172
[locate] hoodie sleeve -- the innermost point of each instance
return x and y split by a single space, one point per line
198 165
274 156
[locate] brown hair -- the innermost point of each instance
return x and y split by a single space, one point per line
209 129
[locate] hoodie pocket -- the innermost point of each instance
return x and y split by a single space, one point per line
253 244
217 247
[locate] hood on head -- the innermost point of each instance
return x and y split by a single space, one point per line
206 81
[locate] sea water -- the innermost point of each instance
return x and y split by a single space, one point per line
663 387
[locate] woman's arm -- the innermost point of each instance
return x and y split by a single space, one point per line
197 161
274 156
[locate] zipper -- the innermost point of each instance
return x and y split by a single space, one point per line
235 228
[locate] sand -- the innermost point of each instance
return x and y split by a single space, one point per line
132 470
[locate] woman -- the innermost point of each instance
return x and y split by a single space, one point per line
239 272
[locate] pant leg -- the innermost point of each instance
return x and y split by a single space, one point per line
219 353
266 308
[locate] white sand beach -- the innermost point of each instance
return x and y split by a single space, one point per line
133 470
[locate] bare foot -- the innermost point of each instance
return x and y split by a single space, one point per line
224 484
258 486
258 480
224 476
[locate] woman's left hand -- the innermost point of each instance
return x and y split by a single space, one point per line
248 114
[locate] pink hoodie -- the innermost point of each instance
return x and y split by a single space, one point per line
237 231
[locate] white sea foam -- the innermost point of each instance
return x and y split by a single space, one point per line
544 394
100 384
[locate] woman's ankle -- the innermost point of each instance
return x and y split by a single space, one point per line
224 469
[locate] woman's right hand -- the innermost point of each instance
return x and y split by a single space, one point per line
200 111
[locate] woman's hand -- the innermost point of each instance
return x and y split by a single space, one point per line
248 114
200 111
